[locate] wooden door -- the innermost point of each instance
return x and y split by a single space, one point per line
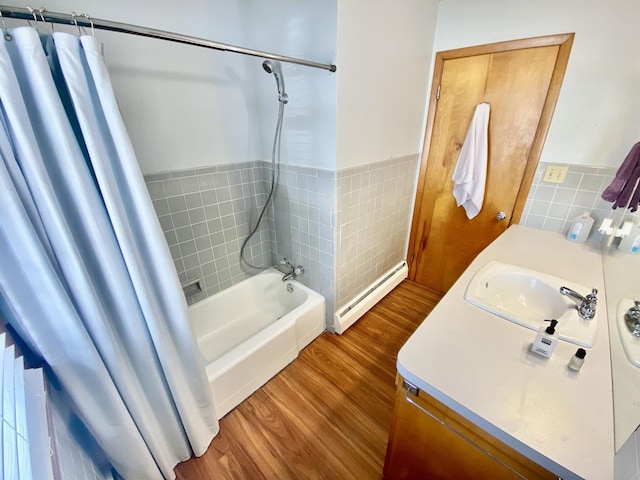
521 81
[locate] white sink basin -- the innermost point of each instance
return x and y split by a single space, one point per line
528 298
630 343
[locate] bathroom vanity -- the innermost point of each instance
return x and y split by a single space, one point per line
474 402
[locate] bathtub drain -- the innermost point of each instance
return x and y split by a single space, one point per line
289 288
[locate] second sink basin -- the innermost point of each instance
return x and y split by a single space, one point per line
630 343
528 298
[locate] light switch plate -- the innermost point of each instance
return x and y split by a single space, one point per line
555 173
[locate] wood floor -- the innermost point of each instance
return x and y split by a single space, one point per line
327 415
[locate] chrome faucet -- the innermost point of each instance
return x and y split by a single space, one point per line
293 271
586 305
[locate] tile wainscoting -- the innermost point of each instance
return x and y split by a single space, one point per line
374 204
302 225
553 206
206 213
346 228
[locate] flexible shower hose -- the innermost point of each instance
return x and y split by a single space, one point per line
275 165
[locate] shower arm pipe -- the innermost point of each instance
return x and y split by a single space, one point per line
82 20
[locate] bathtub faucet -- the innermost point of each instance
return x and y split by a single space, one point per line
293 272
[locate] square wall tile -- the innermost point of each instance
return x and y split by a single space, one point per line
203 214
580 192
373 220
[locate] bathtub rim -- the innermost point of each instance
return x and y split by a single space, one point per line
236 286
240 372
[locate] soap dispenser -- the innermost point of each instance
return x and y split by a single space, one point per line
546 339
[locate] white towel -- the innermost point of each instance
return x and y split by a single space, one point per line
470 175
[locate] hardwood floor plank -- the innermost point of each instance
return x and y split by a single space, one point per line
355 413
327 458
327 415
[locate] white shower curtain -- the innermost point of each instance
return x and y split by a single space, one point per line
86 278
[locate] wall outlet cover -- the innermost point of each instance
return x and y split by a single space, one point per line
555 173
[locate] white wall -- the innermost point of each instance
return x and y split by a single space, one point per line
186 106
384 53
598 112
304 30
183 106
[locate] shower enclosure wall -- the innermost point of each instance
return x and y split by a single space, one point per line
357 218
205 215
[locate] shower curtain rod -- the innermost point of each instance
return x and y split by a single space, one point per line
87 22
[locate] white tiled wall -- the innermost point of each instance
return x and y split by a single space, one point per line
74 457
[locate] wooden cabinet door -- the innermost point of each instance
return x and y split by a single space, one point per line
521 85
442 445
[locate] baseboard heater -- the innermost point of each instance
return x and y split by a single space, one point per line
366 299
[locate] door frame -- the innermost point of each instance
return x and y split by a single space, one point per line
564 42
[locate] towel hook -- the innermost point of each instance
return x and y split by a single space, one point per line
7 36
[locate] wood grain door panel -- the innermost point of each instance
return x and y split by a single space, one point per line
428 440
519 84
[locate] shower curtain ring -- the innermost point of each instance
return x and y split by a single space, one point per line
7 36
93 32
75 21
33 13
41 12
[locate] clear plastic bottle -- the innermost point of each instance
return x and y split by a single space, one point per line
577 360
580 228
631 243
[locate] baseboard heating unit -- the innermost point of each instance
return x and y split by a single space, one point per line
366 299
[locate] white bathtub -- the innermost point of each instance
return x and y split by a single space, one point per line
252 330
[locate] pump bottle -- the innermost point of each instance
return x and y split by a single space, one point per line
580 228
546 339
631 243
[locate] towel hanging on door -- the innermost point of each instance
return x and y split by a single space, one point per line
470 174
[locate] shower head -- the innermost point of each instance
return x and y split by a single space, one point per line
268 66
274 68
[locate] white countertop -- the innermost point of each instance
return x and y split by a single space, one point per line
622 279
481 366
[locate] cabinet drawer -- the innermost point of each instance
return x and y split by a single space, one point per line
428 440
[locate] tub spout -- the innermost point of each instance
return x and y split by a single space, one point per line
289 276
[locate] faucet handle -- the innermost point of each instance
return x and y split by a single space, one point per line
284 261
592 296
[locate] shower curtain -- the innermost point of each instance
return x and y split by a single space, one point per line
86 278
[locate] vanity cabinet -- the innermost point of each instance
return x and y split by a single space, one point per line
430 441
